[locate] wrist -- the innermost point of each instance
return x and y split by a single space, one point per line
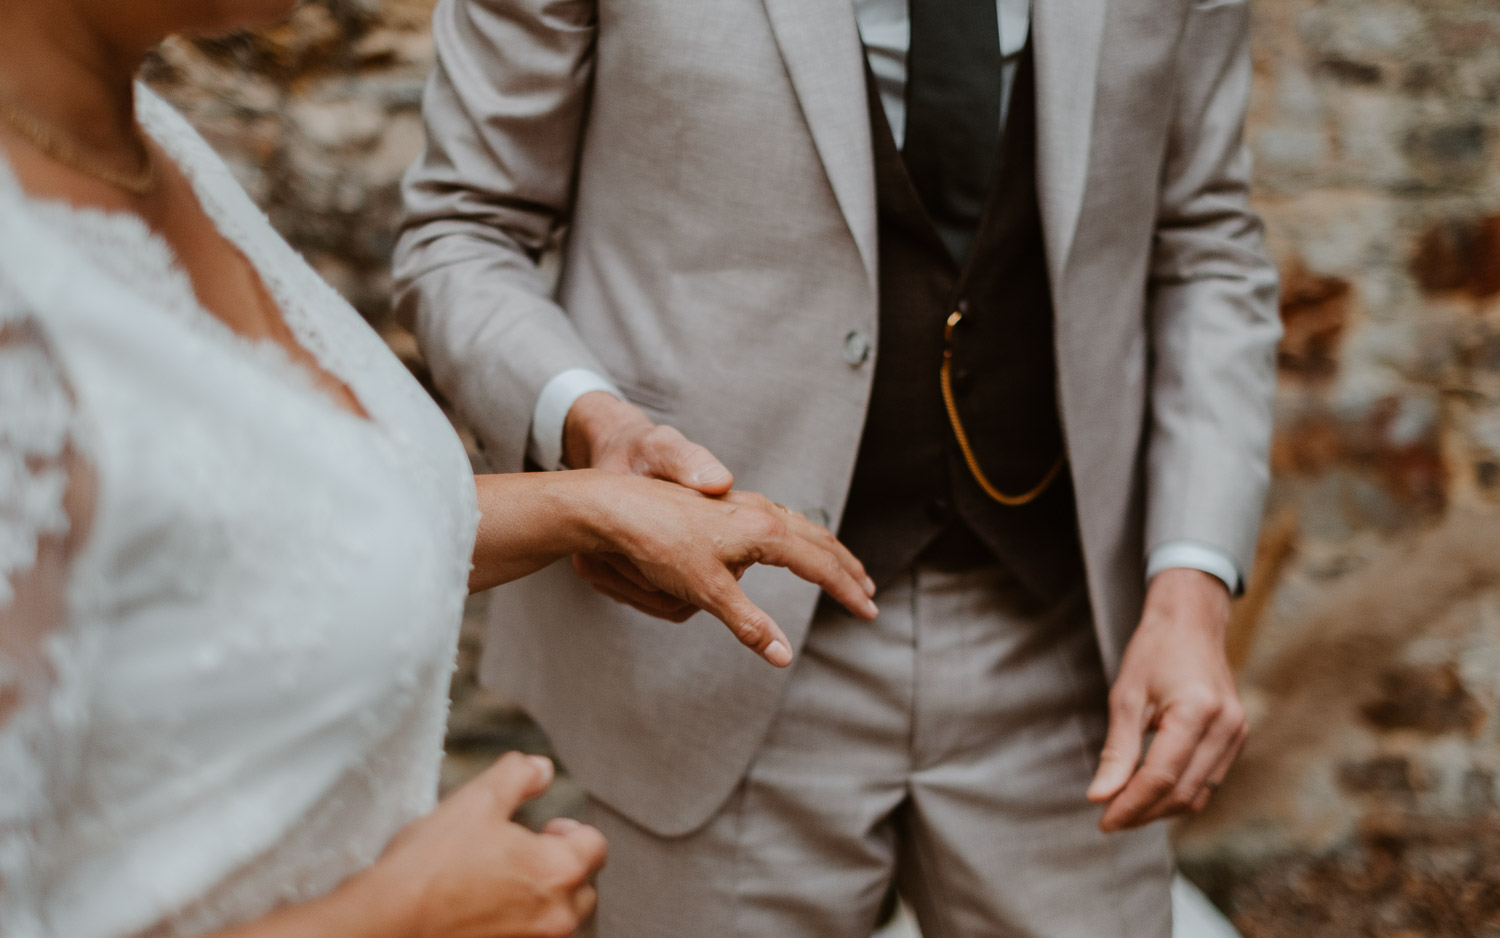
584 506
371 904
593 419
1190 598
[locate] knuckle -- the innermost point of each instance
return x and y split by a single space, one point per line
751 630
768 525
1112 753
507 768
560 922
1198 708
1182 798
662 435
1233 715
562 871
1157 781
1124 703
829 567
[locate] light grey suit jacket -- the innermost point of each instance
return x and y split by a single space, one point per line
713 161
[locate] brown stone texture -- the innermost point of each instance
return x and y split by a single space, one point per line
1366 803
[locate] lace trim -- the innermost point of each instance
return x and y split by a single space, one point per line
42 664
35 428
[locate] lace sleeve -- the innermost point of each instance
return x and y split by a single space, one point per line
44 493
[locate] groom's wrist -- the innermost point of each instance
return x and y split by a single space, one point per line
555 400
1185 597
592 421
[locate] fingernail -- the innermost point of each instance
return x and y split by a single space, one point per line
869 586
710 475
778 654
871 609
565 824
543 765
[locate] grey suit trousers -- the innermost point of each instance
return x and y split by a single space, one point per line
947 746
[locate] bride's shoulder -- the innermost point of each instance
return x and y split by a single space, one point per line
186 147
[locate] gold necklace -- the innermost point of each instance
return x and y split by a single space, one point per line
45 139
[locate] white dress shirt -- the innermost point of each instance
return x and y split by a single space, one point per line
885 28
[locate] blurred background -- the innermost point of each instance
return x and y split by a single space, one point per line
1368 802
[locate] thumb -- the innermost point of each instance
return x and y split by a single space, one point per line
1122 748
516 779
677 459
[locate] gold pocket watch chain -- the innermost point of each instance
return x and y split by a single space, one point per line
963 437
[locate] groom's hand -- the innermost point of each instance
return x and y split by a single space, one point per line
1175 681
606 433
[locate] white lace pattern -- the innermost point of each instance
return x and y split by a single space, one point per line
232 691
35 417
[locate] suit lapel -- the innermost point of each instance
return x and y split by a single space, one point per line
819 41
1068 35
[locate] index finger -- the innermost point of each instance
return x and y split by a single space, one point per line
726 601
1166 760
587 844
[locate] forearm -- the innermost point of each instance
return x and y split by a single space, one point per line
488 328
531 520
362 907
1213 316
504 112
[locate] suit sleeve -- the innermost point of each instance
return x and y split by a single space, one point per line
504 111
1213 306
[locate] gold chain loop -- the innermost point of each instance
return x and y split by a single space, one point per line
1012 501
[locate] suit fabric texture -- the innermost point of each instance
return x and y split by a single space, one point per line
944 747
713 162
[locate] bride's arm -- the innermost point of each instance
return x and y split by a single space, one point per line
465 871
681 542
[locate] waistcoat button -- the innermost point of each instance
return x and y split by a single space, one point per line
856 348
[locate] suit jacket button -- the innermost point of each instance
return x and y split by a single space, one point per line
817 516
857 348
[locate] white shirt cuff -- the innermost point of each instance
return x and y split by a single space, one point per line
1194 556
551 413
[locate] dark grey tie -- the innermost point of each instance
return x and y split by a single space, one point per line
954 91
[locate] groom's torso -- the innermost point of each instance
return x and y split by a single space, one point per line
724 248
726 243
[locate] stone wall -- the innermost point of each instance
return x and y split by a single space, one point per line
1369 644
1366 803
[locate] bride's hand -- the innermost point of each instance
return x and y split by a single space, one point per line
696 547
468 871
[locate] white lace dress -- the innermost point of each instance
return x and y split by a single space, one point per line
234 693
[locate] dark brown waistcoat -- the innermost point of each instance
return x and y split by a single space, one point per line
912 491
